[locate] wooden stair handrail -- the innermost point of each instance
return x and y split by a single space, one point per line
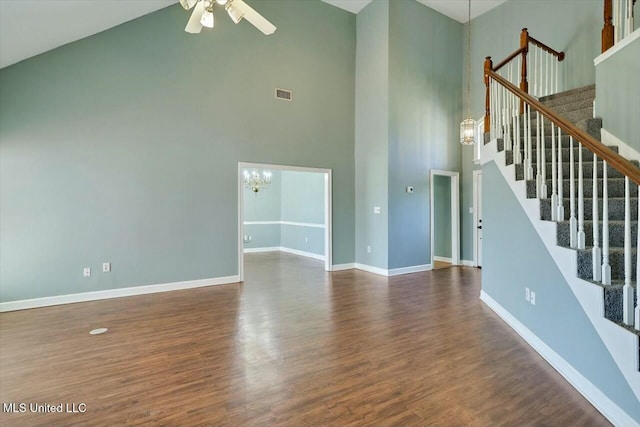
509 58
559 55
612 158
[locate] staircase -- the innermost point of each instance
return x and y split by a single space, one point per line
577 106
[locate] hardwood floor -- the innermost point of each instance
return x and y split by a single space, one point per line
292 346
437 265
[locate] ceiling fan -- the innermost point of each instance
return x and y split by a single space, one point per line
202 15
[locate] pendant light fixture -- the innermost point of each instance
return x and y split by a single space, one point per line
468 125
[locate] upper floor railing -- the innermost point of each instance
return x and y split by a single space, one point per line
618 22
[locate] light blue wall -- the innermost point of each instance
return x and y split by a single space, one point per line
372 130
618 94
263 236
303 201
124 146
425 71
442 216
512 256
306 239
303 197
572 26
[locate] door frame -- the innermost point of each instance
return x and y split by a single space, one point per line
455 214
476 174
328 209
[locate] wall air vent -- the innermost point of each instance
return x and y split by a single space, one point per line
283 94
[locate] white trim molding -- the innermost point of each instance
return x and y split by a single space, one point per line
409 270
455 213
441 258
394 271
328 210
342 267
617 47
467 263
114 293
299 224
261 250
593 394
284 249
624 149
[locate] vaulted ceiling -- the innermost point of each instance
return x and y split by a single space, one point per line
31 27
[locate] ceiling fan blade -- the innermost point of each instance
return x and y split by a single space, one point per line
254 17
194 26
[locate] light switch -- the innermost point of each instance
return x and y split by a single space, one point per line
376 209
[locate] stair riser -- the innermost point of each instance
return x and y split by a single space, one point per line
616 234
566 98
616 261
572 116
613 303
615 188
587 170
616 209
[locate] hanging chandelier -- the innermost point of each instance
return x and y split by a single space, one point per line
468 125
255 181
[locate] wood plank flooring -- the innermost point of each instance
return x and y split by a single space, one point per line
292 346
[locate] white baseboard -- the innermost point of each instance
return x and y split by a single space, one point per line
341 267
371 269
624 149
593 394
113 293
302 253
284 249
467 263
260 250
393 271
442 259
407 270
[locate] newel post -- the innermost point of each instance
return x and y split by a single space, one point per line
488 66
524 83
607 31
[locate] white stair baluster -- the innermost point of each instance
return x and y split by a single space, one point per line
529 143
627 290
554 178
606 268
538 158
573 226
630 23
581 236
557 74
560 213
637 310
543 187
546 76
596 253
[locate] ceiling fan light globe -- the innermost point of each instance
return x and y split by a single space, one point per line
188 4
222 2
207 19
235 14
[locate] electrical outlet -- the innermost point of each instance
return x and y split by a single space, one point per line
409 190
533 298
471 210
368 249
306 240
527 294
376 210
246 238
87 272
106 267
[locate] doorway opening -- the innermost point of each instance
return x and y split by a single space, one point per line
445 218
477 218
284 209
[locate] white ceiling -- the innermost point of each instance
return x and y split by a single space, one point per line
31 27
